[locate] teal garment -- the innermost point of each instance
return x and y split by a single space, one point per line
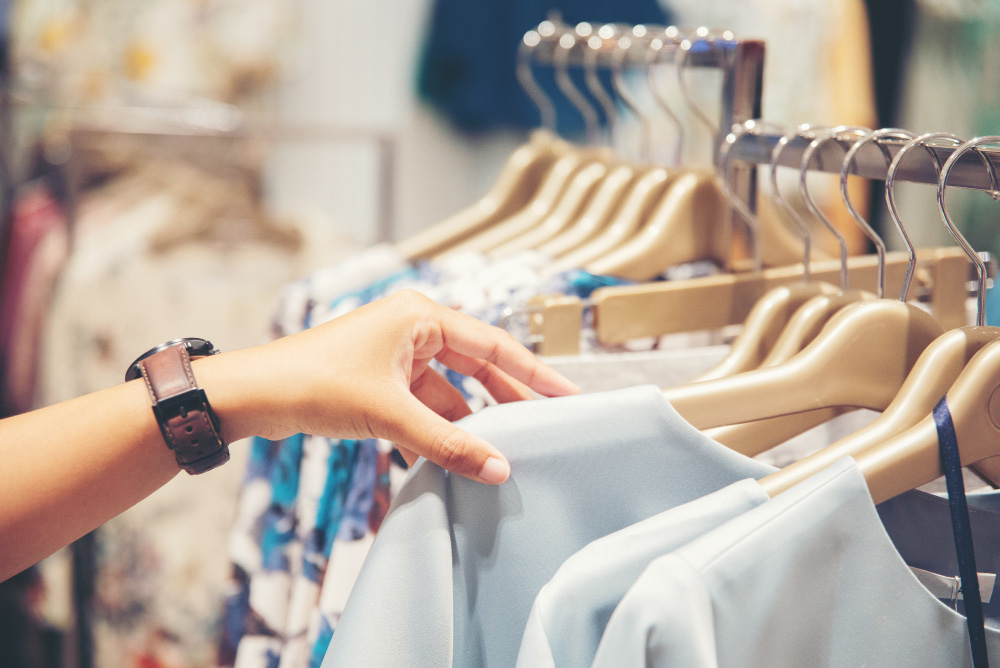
809 578
456 566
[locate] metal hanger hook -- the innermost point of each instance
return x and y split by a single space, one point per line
621 51
752 127
845 169
656 44
804 232
890 196
685 47
525 57
822 138
595 41
565 83
972 144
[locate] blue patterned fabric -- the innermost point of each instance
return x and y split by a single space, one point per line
325 496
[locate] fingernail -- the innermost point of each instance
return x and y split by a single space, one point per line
494 471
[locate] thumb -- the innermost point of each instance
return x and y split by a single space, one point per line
417 428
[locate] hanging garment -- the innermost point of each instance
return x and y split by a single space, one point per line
295 548
571 611
808 578
582 467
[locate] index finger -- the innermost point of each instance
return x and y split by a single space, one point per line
474 338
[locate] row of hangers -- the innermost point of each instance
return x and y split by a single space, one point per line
589 206
812 344
877 353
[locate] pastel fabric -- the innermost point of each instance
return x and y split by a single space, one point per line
310 506
582 467
808 578
572 610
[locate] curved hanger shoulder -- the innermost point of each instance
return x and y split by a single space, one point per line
911 459
764 325
640 199
555 184
519 179
688 224
753 438
934 373
860 359
808 321
569 208
596 216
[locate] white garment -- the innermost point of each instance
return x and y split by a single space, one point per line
808 578
572 610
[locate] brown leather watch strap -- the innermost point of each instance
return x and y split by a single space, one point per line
186 419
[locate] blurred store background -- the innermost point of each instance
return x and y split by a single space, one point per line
167 166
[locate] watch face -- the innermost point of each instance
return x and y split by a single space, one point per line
195 347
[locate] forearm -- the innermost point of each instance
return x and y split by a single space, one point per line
66 469
70 467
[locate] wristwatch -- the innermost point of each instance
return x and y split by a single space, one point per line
186 419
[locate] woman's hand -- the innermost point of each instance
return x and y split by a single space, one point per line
70 467
366 375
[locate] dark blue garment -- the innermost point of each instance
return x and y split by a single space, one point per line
961 526
467 70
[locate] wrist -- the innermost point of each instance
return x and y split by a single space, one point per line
237 388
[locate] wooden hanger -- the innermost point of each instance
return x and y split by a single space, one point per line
626 313
224 211
679 230
860 359
596 217
561 181
629 217
519 179
591 180
756 437
572 206
911 459
936 370
934 373
772 311
753 438
623 191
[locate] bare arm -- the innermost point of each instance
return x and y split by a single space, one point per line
68 468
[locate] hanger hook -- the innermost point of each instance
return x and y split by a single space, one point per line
525 56
820 139
804 232
845 169
595 41
656 45
685 47
942 186
565 83
618 81
751 127
890 196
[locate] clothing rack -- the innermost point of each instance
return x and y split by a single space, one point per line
741 62
193 122
871 161
556 321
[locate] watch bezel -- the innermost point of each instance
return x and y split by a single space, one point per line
196 347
